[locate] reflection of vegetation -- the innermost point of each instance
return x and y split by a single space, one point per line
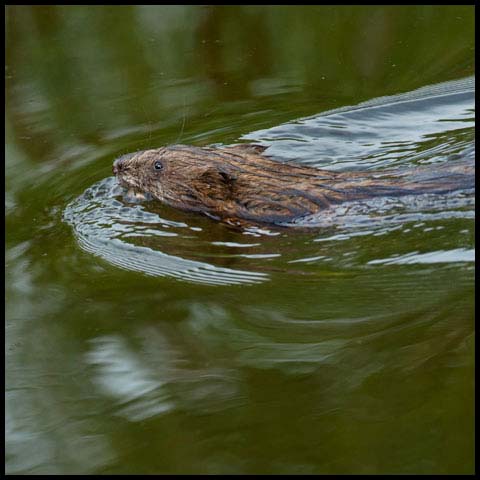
92 72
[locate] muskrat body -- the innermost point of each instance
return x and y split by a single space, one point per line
239 184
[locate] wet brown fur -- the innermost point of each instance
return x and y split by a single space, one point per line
239 183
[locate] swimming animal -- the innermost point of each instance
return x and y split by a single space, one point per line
240 184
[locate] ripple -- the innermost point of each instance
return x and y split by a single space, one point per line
441 256
95 217
431 122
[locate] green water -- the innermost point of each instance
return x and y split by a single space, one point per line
345 356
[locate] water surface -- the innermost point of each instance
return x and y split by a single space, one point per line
140 339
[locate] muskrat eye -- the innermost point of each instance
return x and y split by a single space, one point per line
158 165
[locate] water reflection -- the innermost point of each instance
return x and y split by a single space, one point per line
425 125
117 72
157 379
441 256
349 354
42 423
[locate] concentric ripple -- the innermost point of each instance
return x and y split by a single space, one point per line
102 225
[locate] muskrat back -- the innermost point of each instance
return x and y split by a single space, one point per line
241 183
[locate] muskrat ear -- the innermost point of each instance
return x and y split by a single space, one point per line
220 183
215 175
226 177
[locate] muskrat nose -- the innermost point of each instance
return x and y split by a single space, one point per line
117 166
119 163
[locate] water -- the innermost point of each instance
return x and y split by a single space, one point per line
141 339
113 229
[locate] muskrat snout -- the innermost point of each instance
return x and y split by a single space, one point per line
117 166
119 163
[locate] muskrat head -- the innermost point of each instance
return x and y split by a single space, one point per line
189 178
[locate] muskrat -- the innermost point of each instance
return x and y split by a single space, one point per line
240 184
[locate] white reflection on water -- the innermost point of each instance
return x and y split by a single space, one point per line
122 376
440 256
38 428
355 136
46 432
155 380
